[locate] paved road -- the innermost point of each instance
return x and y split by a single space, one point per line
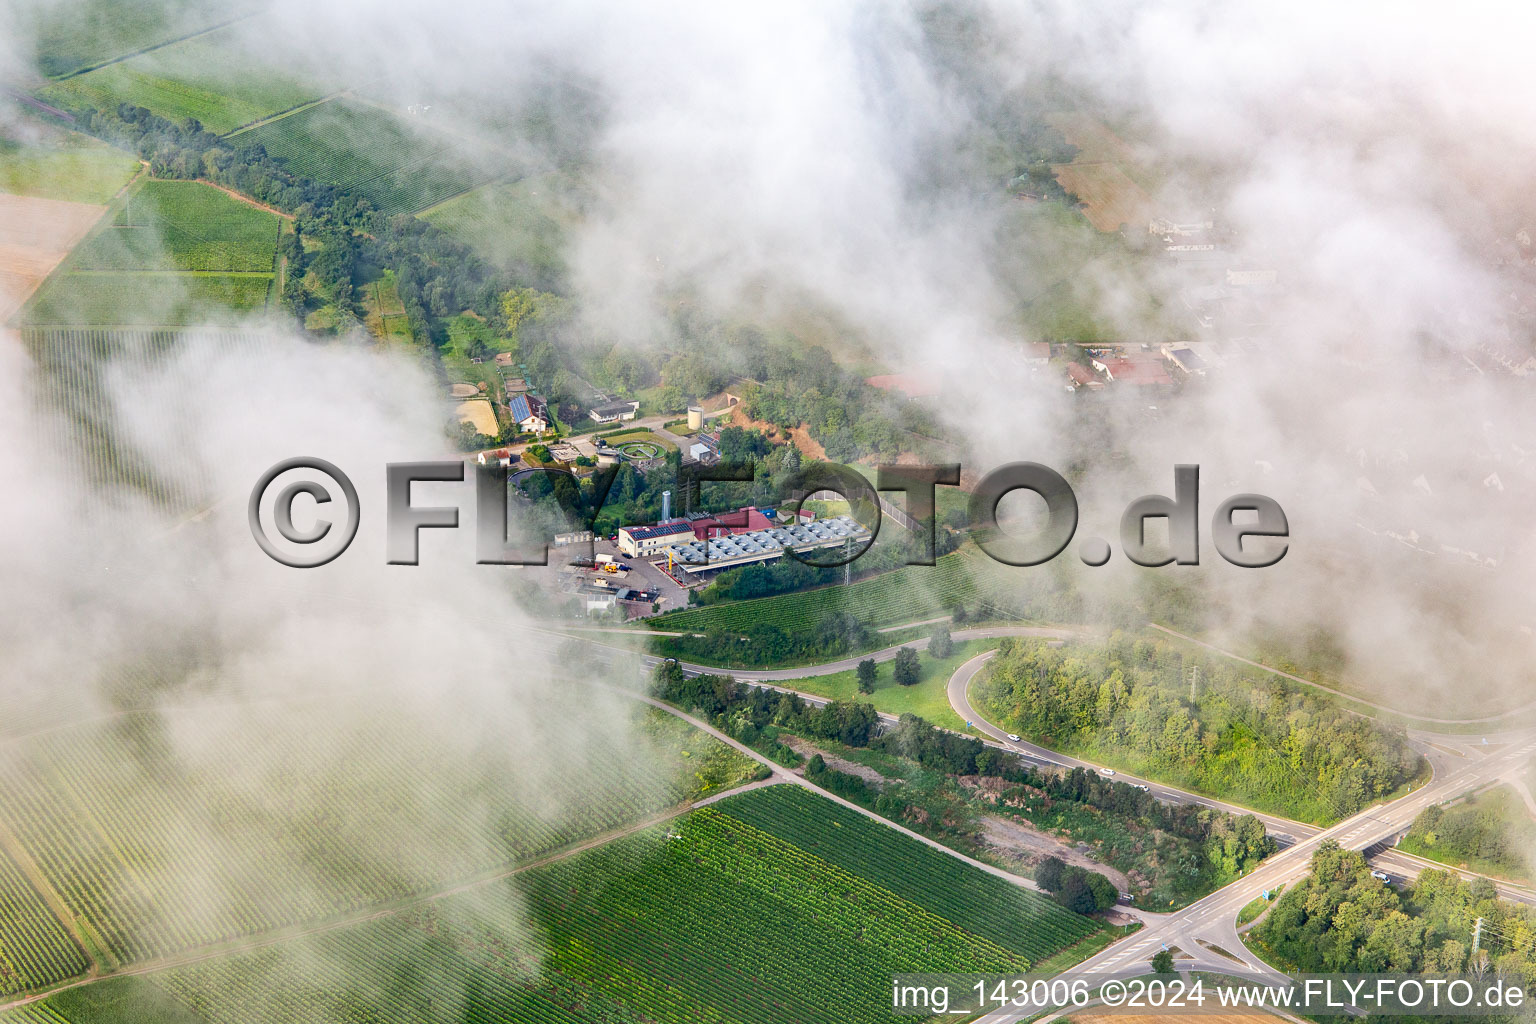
1206 932
1212 920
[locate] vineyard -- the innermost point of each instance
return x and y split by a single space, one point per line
161 833
74 367
210 77
182 225
146 299
172 253
35 949
908 594
982 904
83 33
65 165
707 920
399 167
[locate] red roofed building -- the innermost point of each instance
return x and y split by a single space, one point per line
1079 376
913 385
1142 371
743 520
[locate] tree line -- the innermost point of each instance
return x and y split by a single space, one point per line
1203 723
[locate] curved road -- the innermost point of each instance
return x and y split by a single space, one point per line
1205 932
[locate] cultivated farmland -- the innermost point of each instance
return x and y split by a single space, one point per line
397 166
161 833
182 225
35 236
173 253
65 165
213 77
709 919
982 904
77 34
73 366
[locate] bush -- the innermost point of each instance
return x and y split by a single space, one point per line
1162 962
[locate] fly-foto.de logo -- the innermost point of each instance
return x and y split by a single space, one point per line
1247 530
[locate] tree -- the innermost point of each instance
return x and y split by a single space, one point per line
907 669
1048 874
942 645
1162 962
867 672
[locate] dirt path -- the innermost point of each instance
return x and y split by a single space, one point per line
1018 839
834 762
247 200
12 848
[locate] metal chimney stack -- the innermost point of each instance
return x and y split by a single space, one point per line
666 505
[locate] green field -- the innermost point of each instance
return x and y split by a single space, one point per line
172 254
909 594
769 908
146 299
181 225
68 166
74 34
212 77
398 166
516 225
156 849
982 904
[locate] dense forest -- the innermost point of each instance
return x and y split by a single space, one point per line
1201 723
1341 919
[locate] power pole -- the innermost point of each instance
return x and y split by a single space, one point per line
1477 936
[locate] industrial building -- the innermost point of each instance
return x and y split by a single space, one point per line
614 412
646 541
737 549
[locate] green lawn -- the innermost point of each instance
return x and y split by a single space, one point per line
909 594
215 78
69 166
928 697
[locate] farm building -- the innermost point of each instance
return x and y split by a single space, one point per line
614 412
644 541
529 413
